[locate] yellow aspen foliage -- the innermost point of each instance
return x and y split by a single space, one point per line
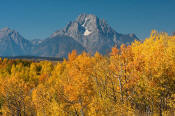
133 80
44 102
16 97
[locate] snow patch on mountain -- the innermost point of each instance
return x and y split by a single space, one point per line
87 32
84 22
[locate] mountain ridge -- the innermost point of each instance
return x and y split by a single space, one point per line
86 33
13 44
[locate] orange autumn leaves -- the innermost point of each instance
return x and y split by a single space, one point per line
139 78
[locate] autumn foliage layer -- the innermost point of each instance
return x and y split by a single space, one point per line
135 80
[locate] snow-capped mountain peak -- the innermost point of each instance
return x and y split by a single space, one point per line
87 33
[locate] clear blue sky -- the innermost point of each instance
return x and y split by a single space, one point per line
40 18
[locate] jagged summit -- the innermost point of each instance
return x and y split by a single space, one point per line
7 32
5 29
83 16
94 34
88 22
12 43
92 23
86 25
86 33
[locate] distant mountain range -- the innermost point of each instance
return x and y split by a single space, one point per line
173 33
87 33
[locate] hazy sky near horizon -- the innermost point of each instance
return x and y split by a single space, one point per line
38 19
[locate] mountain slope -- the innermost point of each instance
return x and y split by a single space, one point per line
94 34
87 33
58 46
13 44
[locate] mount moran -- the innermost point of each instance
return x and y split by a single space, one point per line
87 33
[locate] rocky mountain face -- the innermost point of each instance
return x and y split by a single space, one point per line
13 44
59 45
36 41
94 34
87 33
